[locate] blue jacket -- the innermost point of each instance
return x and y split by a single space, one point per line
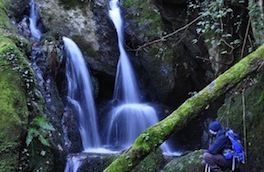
221 143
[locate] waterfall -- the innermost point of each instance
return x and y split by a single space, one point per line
33 19
80 95
125 83
73 163
130 117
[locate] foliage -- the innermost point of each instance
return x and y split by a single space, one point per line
39 128
221 24
14 110
257 20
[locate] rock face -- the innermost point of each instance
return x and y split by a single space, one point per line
14 110
13 113
190 162
16 9
91 30
92 162
164 64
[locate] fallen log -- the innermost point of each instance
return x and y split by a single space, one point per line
154 136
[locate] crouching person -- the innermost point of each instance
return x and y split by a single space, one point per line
214 156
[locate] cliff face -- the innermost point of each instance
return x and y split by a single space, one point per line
13 110
165 64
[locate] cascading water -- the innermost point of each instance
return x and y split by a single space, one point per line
130 117
33 19
73 163
80 95
125 85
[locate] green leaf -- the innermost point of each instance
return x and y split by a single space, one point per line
43 153
229 10
42 123
29 139
43 141
32 132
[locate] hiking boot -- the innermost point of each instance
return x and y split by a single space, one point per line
216 169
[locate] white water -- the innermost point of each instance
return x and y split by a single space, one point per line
80 95
125 83
130 117
33 19
73 163
128 121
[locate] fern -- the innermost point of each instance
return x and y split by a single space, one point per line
39 129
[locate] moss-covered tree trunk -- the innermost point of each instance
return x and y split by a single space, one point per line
154 136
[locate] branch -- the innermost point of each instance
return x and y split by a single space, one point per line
160 132
168 35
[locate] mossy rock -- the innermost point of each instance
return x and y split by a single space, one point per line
94 162
190 162
5 23
13 111
144 15
97 163
17 8
152 163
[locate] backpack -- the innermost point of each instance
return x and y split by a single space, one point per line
237 153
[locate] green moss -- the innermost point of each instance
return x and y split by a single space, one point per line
152 163
13 112
17 97
147 17
190 162
231 115
4 20
20 101
128 3
21 43
50 36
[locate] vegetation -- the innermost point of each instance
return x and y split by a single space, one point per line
147 17
214 26
244 105
20 101
39 128
14 79
13 114
187 111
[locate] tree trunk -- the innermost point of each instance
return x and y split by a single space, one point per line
154 136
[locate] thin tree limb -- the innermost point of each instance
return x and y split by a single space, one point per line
163 38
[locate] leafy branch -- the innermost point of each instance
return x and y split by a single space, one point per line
39 128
